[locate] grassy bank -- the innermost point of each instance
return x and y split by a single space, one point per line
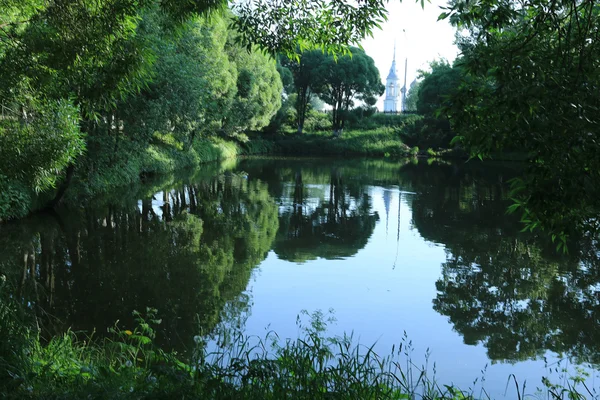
380 142
163 155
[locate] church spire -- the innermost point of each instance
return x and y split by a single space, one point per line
392 88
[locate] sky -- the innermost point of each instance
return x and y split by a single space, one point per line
418 36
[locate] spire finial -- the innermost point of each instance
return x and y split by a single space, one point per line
394 50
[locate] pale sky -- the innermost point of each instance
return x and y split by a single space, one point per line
419 36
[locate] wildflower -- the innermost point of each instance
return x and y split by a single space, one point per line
128 332
197 339
128 363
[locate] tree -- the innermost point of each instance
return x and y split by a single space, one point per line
194 81
413 95
344 80
437 86
95 54
533 74
37 145
292 26
259 89
305 71
432 94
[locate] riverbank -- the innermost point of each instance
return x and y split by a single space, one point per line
99 171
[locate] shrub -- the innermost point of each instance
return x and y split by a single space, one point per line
15 199
36 149
317 121
380 120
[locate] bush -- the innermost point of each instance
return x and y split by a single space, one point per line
15 199
429 132
317 121
381 120
36 149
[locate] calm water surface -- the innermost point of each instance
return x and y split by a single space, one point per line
395 249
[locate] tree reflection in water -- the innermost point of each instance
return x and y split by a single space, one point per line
504 288
186 251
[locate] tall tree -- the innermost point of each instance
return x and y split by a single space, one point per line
194 80
90 52
347 79
305 71
259 89
433 93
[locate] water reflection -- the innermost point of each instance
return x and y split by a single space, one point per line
329 221
499 286
187 251
188 246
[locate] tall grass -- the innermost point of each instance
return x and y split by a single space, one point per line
127 364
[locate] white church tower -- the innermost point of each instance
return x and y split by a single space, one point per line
391 104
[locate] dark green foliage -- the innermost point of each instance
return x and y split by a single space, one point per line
15 199
344 80
36 146
285 119
356 116
361 119
432 93
437 86
533 73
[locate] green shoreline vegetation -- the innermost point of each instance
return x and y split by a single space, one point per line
127 363
97 94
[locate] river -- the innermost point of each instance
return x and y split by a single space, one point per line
421 253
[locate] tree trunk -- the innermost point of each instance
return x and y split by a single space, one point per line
63 187
301 105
